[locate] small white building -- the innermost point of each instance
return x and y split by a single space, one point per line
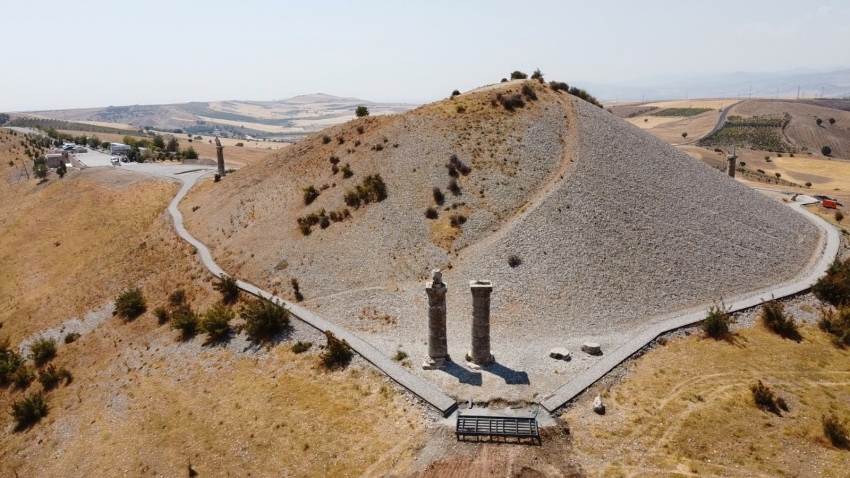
119 148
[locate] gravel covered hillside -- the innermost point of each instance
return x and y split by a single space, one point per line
613 228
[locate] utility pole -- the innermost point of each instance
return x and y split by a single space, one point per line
751 91
798 93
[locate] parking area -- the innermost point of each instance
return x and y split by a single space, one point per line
94 159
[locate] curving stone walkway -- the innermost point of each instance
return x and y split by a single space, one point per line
419 387
828 248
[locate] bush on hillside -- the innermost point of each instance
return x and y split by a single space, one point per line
456 164
130 303
326 139
228 288
361 111
310 195
537 75
584 95
819 121
22 377
514 260
457 220
216 322
50 377
512 102
835 431
71 337
263 319
10 362
518 75
190 153
177 297
832 121
834 287
42 350
372 189
455 93
559 86
29 410
301 347
333 160
296 289
836 322
184 319
529 93
431 212
839 216
763 397
360 130
346 171
454 187
774 318
826 150
439 198
716 323
337 353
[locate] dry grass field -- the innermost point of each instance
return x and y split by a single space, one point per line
141 402
685 409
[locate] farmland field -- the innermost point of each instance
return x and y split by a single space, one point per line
757 132
681 112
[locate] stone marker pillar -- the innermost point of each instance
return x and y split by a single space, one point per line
438 349
481 290
731 158
219 151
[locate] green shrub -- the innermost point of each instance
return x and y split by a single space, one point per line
835 431
439 198
537 75
228 287
716 323
22 376
514 260
559 86
310 195
326 139
518 75
361 111
836 323
826 150
455 93
263 319
763 397
346 171
29 410
10 362
337 353
834 287
161 314
301 347
400 355
296 289
808 185
431 212
71 337
130 303
819 121
372 189
216 322
528 92
839 216
774 318
177 297
184 319
42 350
49 377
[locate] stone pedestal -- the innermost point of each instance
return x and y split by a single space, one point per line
480 352
438 349
219 151
732 159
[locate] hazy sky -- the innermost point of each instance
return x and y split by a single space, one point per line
70 54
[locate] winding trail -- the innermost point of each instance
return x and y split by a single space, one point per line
826 251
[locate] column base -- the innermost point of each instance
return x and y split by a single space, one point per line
480 364
432 363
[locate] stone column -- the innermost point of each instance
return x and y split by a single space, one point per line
219 151
731 158
438 349
481 290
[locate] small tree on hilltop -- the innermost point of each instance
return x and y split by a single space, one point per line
455 93
537 75
684 135
832 121
518 75
819 121
826 150
361 111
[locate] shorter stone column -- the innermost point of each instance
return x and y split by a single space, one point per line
438 349
480 352
731 158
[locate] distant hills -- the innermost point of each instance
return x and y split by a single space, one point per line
811 84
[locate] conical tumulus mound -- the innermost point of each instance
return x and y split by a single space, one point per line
587 226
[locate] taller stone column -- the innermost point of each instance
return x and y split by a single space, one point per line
731 158
438 349
481 290
219 151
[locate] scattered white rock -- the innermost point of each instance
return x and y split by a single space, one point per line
598 406
559 353
592 348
